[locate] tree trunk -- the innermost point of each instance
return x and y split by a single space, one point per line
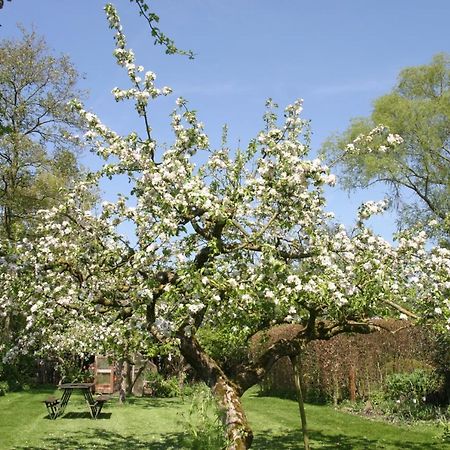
300 388
335 388
239 433
352 384
227 388
122 380
137 375
128 378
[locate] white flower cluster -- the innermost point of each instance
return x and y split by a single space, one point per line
142 90
378 140
371 208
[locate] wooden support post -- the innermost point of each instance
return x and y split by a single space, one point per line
300 388
352 384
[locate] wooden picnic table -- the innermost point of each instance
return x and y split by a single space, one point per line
56 407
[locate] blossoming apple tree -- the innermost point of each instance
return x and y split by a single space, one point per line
239 243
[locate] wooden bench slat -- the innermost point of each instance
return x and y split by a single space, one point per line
52 405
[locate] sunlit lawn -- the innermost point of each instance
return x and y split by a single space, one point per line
158 424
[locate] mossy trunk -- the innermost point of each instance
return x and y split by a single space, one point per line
239 434
122 380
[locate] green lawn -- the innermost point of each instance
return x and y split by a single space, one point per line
157 424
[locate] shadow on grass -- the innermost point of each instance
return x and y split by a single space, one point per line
85 415
106 440
294 439
154 402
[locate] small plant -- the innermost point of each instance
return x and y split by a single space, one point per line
203 422
413 386
4 388
406 394
446 434
444 421
163 387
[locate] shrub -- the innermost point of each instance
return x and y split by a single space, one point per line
163 387
203 422
20 374
224 345
408 392
404 396
4 388
412 387
355 366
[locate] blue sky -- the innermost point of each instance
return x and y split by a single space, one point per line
336 55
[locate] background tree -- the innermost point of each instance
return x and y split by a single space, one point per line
37 144
417 172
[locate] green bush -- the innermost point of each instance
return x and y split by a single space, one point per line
228 347
4 388
20 374
163 387
203 422
405 394
412 387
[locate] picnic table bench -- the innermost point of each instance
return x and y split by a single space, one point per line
52 405
96 407
56 407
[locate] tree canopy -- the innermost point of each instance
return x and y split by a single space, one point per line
417 172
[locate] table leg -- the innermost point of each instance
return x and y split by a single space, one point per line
54 411
91 402
99 409
64 400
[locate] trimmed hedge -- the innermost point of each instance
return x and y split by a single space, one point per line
352 366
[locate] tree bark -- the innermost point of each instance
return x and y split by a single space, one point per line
352 384
128 378
137 375
239 433
122 381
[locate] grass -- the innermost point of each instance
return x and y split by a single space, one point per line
157 424
276 424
